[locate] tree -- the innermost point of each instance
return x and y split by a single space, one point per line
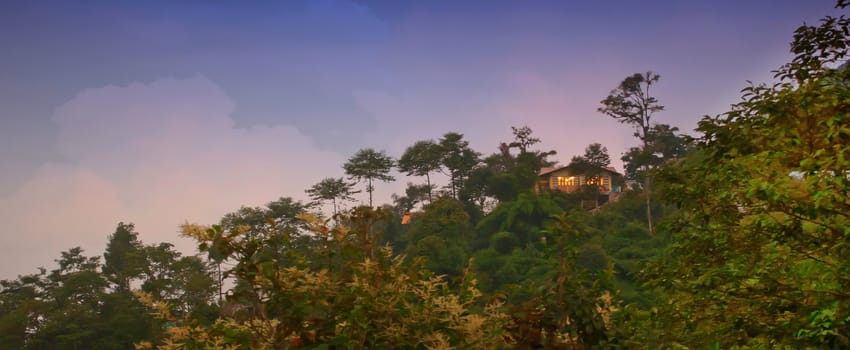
368 165
760 258
74 298
523 138
441 234
123 259
413 195
458 160
275 229
631 103
330 189
71 308
511 171
22 307
421 159
664 144
258 221
184 282
596 155
527 163
594 160
635 162
526 217
377 301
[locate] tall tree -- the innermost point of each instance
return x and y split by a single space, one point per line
458 160
331 189
368 165
421 159
631 103
123 259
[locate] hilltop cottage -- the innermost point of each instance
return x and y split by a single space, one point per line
573 179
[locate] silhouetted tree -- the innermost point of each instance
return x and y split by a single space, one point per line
331 189
369 165
631 103
421 159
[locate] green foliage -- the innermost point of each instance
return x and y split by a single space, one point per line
413 195
70 308
760 258
184 282
122 258
458 160
662 145
504 242
565 310
595 155
511 171
377 301
526 217
592 257
525 166
441 234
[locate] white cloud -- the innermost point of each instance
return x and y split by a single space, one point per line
157 155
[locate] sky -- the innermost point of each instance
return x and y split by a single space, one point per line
165 112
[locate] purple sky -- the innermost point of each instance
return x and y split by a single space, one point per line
159 112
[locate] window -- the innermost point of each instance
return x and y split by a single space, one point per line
602 182
563 181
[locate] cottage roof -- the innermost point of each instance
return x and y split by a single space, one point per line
547 171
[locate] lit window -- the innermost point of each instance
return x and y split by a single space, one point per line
563 181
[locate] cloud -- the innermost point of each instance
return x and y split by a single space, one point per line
157 155
62 207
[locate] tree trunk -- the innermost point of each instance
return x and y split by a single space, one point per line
646 190
428 180
370 192
220 290
453 186
646 181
